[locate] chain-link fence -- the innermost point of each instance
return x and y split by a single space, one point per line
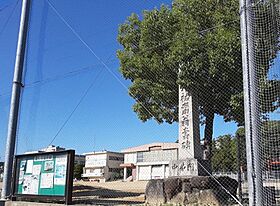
151 96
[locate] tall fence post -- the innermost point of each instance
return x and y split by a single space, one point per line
251 104
15 100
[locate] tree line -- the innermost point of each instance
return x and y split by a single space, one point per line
225 149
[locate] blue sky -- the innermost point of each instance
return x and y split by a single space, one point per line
58 70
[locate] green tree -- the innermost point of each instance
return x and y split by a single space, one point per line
145 61
78 171
202 38
270 131
224 157
168 39
241 143
211 58
270 143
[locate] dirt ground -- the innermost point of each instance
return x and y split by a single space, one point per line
109 193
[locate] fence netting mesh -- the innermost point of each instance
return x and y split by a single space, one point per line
265 40
151 95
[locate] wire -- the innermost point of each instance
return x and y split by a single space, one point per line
58 77
3 29
75 108
78 104
9 17
97 57
62 76
4 7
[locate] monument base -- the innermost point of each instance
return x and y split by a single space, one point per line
189 167
191 191
2 202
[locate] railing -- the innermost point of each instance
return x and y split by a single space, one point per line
266 175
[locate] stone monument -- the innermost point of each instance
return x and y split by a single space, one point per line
190 162
185 185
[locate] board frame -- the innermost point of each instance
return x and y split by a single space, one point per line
67 197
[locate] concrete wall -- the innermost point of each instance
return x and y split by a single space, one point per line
157 155
99 166
153 163
155 170
96 160
80 159
114 160
130 158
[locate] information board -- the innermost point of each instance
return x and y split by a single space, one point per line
44 174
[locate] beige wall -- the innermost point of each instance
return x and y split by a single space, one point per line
96 160
157 155
130 158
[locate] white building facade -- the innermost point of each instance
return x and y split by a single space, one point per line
100 166
150 161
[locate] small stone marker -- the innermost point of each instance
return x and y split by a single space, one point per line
190 151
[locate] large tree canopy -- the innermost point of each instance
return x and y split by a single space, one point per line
146 61
201 38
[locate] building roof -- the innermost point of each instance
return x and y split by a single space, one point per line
129 165
50 148
101 152
152 146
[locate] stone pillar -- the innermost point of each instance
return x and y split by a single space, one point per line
189 134
137 172
163 168
2 202
124 174
189 161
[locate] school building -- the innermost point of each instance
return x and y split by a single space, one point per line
101 166
149 161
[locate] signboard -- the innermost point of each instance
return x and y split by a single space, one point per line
47 175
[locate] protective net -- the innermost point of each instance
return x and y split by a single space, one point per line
263 22
151 97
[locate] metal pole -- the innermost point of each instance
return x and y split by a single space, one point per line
15 99
239 168
250 84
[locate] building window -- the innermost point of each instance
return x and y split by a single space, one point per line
118 170
115 158
140 157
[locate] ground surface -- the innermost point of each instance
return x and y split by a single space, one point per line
123 193
109 193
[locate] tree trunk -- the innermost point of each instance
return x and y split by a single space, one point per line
208 133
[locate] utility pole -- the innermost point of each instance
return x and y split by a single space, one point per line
251 104
15 100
